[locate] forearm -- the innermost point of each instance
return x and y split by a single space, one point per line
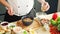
5 3
41 1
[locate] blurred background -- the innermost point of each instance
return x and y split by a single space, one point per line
54 7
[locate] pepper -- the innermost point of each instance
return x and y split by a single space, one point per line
55 16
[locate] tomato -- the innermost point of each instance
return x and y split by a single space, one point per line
53 29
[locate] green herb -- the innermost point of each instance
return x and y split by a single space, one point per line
25 32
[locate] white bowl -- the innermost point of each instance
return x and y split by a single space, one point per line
11 24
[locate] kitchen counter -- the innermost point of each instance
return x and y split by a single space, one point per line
36 25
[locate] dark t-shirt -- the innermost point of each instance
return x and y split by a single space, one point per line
53 6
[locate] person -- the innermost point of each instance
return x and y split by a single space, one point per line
16 9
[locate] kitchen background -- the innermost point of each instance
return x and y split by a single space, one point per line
54 4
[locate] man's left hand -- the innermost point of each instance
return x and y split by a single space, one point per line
45 6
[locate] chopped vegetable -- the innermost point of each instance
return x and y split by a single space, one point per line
25 32
59 27
53 29
53 22
54 17
58 22
11 27
58 19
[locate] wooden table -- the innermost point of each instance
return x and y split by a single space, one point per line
37 26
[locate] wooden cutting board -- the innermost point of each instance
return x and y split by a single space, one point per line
35 25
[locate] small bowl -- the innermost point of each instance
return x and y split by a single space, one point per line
4 23
11 25
27 20
17 29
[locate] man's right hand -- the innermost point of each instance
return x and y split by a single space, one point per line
10 11
9 8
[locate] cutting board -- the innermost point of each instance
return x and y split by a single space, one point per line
35 25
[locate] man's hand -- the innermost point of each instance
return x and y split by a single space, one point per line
9 8
45 6
10 11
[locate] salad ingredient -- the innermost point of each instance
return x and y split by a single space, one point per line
54 17
25 32
59 27
58 19
58 22
11 26
53 22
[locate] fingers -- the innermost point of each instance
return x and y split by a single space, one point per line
45 6
10 11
